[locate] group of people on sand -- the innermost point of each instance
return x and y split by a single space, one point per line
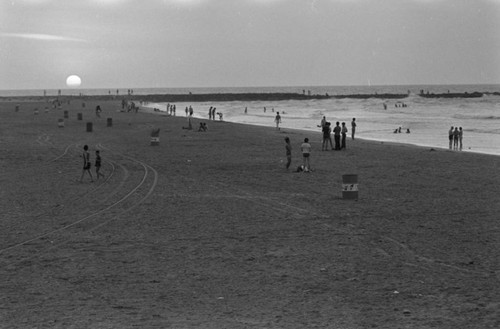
340 133
87 164
212 112
305 147
171 108
455 136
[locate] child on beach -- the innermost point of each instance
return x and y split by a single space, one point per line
98 164
277 119
306 151
86 163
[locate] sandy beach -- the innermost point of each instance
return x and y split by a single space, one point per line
208 229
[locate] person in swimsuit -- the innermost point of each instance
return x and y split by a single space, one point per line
98 164
306 152
277 120
86 163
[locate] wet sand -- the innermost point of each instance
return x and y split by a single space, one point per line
208 230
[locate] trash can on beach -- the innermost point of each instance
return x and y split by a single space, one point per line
80 116
350 187
155 137
89 127
66 115
109 122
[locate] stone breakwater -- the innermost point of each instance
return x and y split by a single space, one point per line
228 97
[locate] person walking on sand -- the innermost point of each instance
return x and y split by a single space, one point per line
86 163
450 136
306 153
288 148
344 134
336 135
327 137
277 119
98 164
353 127
460 136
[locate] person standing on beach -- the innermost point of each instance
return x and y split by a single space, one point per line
323 122
353 127
210 113
86 163
306 152
336 135
213 113
288 148
277 119
460 136
456 134
450 136
344 134
327 137
98 164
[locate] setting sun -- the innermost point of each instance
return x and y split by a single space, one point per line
73 81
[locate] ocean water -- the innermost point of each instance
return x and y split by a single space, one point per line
428 119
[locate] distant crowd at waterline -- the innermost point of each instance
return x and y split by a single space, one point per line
339 130
455 134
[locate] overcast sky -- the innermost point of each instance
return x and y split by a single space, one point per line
212 43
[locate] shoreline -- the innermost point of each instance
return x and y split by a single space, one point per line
318 132
112 98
